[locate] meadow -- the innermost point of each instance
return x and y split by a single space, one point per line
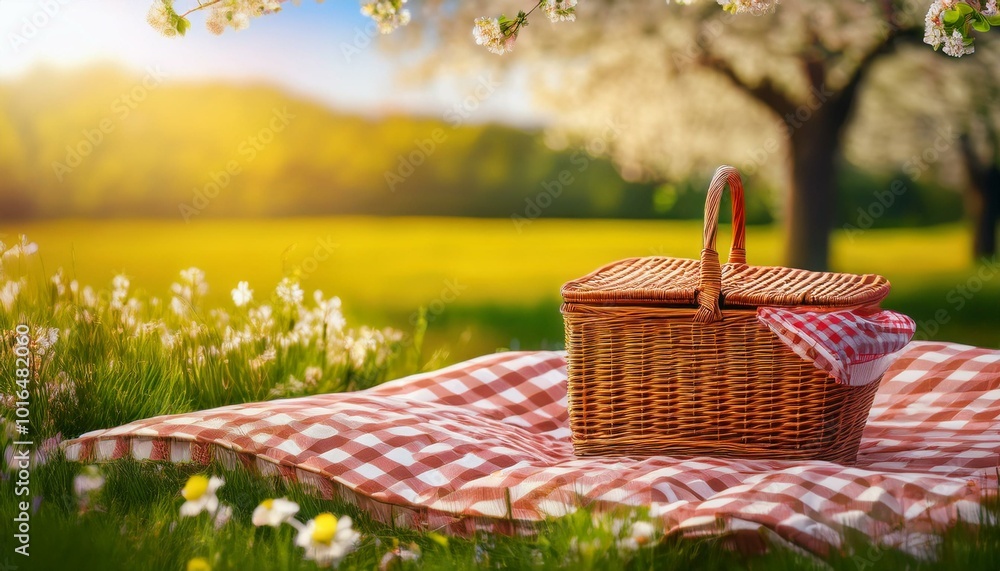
490 283
153 336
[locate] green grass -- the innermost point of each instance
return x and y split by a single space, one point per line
130 356
134 524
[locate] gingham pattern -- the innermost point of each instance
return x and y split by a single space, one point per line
855 347
485 445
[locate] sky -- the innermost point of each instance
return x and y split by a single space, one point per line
299 49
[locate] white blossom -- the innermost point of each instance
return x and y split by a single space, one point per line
489 35
560 10
388 14
955 46
159 17
755 7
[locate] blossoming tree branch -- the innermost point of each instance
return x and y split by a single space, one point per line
950 25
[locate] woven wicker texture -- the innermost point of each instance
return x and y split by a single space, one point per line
655 366
646 381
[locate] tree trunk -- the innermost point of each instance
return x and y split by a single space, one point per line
987 191
812 197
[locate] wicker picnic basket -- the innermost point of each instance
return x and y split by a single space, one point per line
666 355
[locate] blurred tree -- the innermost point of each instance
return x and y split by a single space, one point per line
694 87
980 150
937 122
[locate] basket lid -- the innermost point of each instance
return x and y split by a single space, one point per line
676 281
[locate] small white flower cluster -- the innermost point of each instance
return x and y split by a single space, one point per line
289 292
10 290
559 10
935 35
162 18
755 7
489 35
242 294
388 14
235 14
188 291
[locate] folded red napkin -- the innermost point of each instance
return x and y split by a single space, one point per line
856 347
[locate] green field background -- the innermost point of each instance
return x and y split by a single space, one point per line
489 284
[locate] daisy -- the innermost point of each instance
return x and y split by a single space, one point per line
274 512
327 539
200 495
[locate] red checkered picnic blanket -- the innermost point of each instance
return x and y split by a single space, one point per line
485 445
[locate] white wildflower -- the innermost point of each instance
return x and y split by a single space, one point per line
289 292
24 247
274 512
291 387
266 357
9 293
242 294
327 539
261 318
313 375
119 290
89 297
560 10
199 491
178 306
333 318
194 279
45 338
168 339
59 282
991 8
388 14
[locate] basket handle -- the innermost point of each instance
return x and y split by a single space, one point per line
710 286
